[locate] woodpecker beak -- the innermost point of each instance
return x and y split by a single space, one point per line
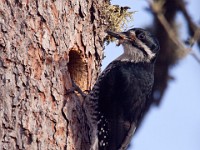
122 36
118 35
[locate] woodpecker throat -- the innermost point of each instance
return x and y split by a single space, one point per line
120 95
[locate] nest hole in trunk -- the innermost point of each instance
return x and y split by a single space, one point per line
78 69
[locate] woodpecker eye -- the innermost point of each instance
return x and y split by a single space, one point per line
141 36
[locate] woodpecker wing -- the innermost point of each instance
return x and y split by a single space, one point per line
122 91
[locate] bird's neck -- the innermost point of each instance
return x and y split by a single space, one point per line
134 54
131 54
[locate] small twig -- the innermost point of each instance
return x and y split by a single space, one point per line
157 9
192 26
194 30
195 56
195 37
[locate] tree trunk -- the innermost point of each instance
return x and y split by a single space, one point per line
43 45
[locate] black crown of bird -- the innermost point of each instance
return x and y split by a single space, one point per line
116 103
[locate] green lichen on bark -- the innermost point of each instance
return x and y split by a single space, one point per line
117 18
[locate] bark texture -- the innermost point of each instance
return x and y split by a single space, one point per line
43 44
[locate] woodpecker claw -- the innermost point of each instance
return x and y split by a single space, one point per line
76 88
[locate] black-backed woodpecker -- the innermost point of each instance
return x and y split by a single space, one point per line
118 99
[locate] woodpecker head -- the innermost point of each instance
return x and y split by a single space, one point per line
139 45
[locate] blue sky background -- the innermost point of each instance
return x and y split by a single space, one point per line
175 124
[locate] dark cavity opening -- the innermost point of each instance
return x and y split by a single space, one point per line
78 69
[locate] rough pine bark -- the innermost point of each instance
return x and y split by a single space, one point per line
43 45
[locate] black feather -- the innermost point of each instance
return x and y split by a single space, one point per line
122 92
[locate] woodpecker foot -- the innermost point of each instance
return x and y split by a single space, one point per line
76 88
